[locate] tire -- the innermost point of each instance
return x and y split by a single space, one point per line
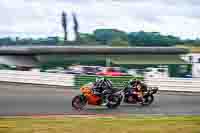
78 102
116 99
148 100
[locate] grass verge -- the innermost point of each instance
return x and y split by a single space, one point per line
154 124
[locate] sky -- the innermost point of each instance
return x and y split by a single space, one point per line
41 18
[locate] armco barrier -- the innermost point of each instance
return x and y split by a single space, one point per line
175 84
118 82
36 78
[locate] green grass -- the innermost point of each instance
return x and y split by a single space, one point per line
187 124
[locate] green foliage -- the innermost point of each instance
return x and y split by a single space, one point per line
151 39
105 36
88 39
111 37
6 41
29 41
119 43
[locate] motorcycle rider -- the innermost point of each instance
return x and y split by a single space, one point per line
101 87
136 87
132 84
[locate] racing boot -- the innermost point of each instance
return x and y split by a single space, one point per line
141 99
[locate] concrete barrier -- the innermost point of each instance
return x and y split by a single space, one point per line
36 77
175 84
168 84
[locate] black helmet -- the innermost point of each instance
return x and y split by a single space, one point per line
134 82
137 82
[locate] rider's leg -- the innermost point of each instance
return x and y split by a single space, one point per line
140 97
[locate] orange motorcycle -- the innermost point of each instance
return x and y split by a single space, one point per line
111 99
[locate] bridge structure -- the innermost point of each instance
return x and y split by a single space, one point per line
31 56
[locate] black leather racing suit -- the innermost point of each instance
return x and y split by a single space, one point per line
102 87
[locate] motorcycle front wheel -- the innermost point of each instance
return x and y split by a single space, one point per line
148 99
113 101
78 102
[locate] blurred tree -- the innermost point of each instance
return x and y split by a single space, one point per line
87 38
105 36
119 43
6 41
64 25
76 27
112 37
151 39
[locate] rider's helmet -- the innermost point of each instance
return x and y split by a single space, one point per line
131 82
103 83
134 82
137 82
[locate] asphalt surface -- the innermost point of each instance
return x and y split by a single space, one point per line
23 99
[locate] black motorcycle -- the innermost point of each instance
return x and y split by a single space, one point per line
128 96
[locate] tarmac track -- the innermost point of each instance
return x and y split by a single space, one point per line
27 99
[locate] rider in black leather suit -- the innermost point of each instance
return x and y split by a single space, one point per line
102 87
